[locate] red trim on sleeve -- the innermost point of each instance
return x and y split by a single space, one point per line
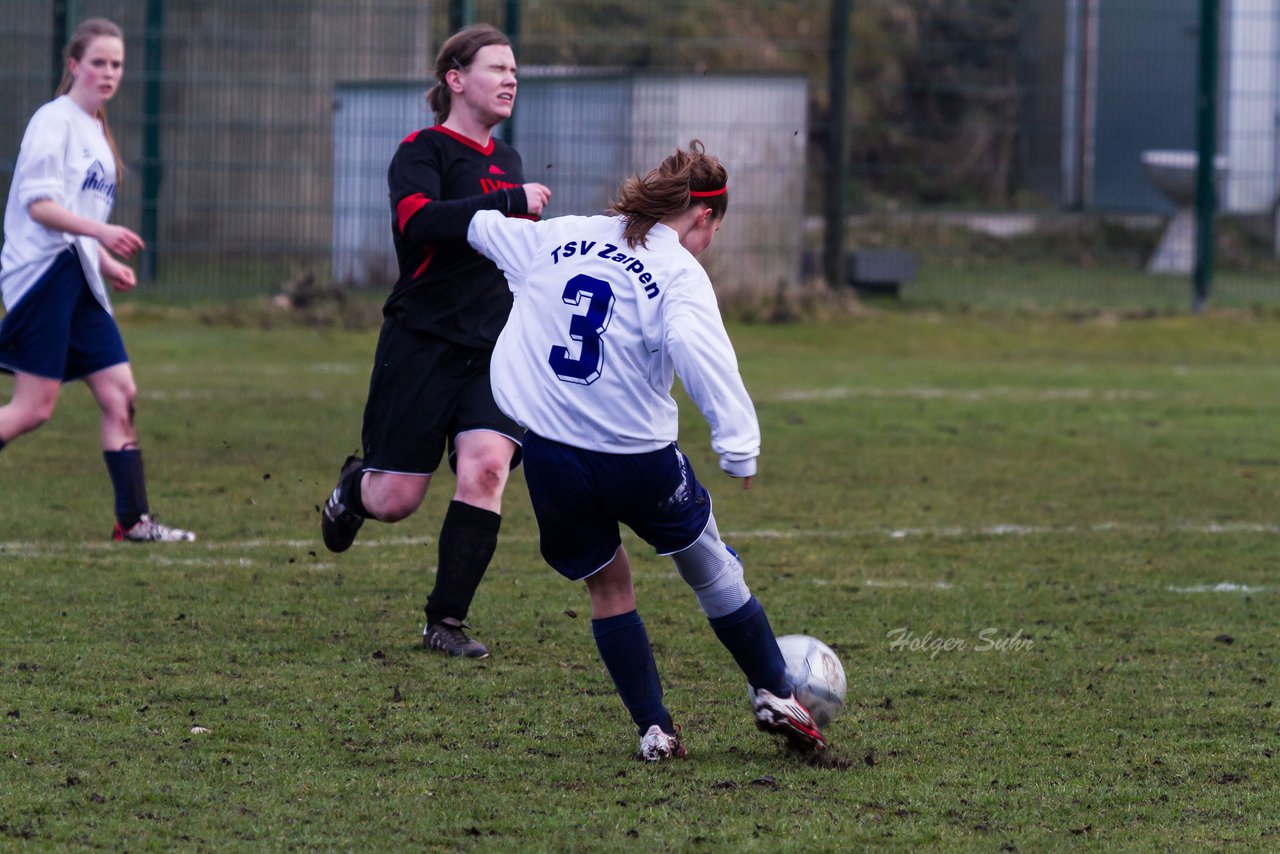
407 207
422 268
486 149
411 137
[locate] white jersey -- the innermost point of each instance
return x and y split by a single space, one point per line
64 157
598 330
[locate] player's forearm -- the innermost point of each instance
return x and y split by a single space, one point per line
704 359
735 436
55 217
441 220
716 388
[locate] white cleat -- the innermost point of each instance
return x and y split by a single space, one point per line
656 744
787 718
148 530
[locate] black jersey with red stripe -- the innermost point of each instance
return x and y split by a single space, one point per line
438 179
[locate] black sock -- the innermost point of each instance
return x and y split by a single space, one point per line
2 444
125 468
468 539
352 498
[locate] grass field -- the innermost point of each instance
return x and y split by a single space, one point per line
1044 548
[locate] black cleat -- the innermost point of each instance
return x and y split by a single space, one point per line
452 640
338 525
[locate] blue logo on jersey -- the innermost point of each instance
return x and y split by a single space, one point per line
96 182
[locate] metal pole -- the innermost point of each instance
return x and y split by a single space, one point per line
513 33
837 147
152 106
513 25
1207 151
61 35
462 13
66 17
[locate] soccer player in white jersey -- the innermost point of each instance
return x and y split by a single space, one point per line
56 264
606 310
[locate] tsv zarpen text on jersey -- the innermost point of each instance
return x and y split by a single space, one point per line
609 252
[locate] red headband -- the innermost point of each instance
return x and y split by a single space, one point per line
702 194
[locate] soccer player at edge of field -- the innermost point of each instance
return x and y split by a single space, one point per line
430 381
606 310
55 266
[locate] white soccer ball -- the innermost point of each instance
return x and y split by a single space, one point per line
817 675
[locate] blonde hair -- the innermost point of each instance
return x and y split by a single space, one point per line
683 179
458 51
80 40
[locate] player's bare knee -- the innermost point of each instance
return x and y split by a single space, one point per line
118 403
483 482
392 497
34 418
397 507
492 477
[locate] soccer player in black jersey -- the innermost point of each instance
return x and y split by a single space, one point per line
429 389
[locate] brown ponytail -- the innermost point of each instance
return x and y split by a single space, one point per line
80 40
683 179
458 51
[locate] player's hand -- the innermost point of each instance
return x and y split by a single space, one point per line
120 276
746 482
120 240
536 197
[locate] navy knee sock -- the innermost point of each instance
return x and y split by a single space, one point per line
2 444
748 637
624 648
125 468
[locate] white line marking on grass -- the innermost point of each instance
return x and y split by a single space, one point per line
798 395
186 394
996 392
1222 587
951 531
30 549
898 583
202 562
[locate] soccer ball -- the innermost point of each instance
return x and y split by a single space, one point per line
817 675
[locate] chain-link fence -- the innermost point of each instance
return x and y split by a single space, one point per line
1023 152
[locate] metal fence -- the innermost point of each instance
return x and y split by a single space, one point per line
997 146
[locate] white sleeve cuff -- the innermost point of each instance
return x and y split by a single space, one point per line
738 468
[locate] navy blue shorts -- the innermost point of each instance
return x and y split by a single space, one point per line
59 330
580 497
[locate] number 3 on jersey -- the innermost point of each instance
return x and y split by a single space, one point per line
586 328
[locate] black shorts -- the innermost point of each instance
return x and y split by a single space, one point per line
423 392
